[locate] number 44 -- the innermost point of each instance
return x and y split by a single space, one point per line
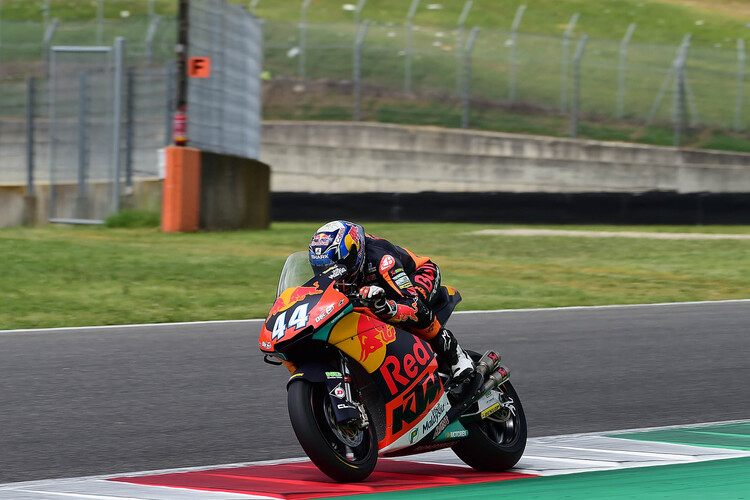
298 321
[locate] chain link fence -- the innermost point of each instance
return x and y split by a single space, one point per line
81 130
413 74
147 99
493 79
224 111
70 120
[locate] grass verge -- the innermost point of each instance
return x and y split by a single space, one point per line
133 219
76 276
710 21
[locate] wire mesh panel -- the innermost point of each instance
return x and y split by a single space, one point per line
82 116
12 129
20 54
224 110
149 101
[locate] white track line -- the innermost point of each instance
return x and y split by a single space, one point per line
487 311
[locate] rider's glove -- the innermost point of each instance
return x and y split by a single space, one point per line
375 297
371 293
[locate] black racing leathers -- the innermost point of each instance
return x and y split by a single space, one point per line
410 283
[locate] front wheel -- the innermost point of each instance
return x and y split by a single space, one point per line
343 452
496 443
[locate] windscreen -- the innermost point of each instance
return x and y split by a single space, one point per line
296 272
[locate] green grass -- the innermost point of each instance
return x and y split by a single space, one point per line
658 21
73 276
133 219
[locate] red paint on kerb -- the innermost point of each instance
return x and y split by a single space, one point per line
300 481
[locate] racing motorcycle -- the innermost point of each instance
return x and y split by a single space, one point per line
362 388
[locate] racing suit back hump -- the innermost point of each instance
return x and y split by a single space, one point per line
411 282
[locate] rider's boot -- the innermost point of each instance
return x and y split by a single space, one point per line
446 347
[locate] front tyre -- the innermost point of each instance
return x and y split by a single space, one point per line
345 453
496 443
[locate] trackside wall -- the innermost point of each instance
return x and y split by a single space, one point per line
372 157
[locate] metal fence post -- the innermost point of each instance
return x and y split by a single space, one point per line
151 11
150 35
45 13
99 22
357 13
303 39
1 51
577 86
667 79
564 62
83 157
51 82
129 126
358 43
513 53
622 71
117 129
30 108
695 119
408 47
678 109
740 84
49 32
170 101
460 43
467 76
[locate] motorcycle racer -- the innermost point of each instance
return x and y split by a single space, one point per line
399 286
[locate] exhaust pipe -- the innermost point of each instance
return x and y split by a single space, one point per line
498 375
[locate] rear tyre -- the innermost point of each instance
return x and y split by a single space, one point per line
343 452
495 443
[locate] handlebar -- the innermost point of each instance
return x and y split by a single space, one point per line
351 292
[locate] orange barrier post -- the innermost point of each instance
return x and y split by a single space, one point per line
181 194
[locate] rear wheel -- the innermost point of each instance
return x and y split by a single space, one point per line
496 443
343 452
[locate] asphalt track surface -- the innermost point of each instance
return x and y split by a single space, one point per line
80 402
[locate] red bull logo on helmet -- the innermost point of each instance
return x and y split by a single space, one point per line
322 239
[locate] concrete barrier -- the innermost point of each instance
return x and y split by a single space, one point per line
373 157
346 157
17 208
234 193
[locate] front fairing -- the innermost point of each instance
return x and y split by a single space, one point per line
300 312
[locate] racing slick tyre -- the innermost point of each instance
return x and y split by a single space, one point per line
343 452
496 442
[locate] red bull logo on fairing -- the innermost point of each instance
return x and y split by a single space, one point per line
293 295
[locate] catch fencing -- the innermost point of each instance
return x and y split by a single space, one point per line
483 78
147 98
462 76
224 111
73 119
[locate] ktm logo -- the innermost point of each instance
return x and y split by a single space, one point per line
416 402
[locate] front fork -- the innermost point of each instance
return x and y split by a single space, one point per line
363 422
